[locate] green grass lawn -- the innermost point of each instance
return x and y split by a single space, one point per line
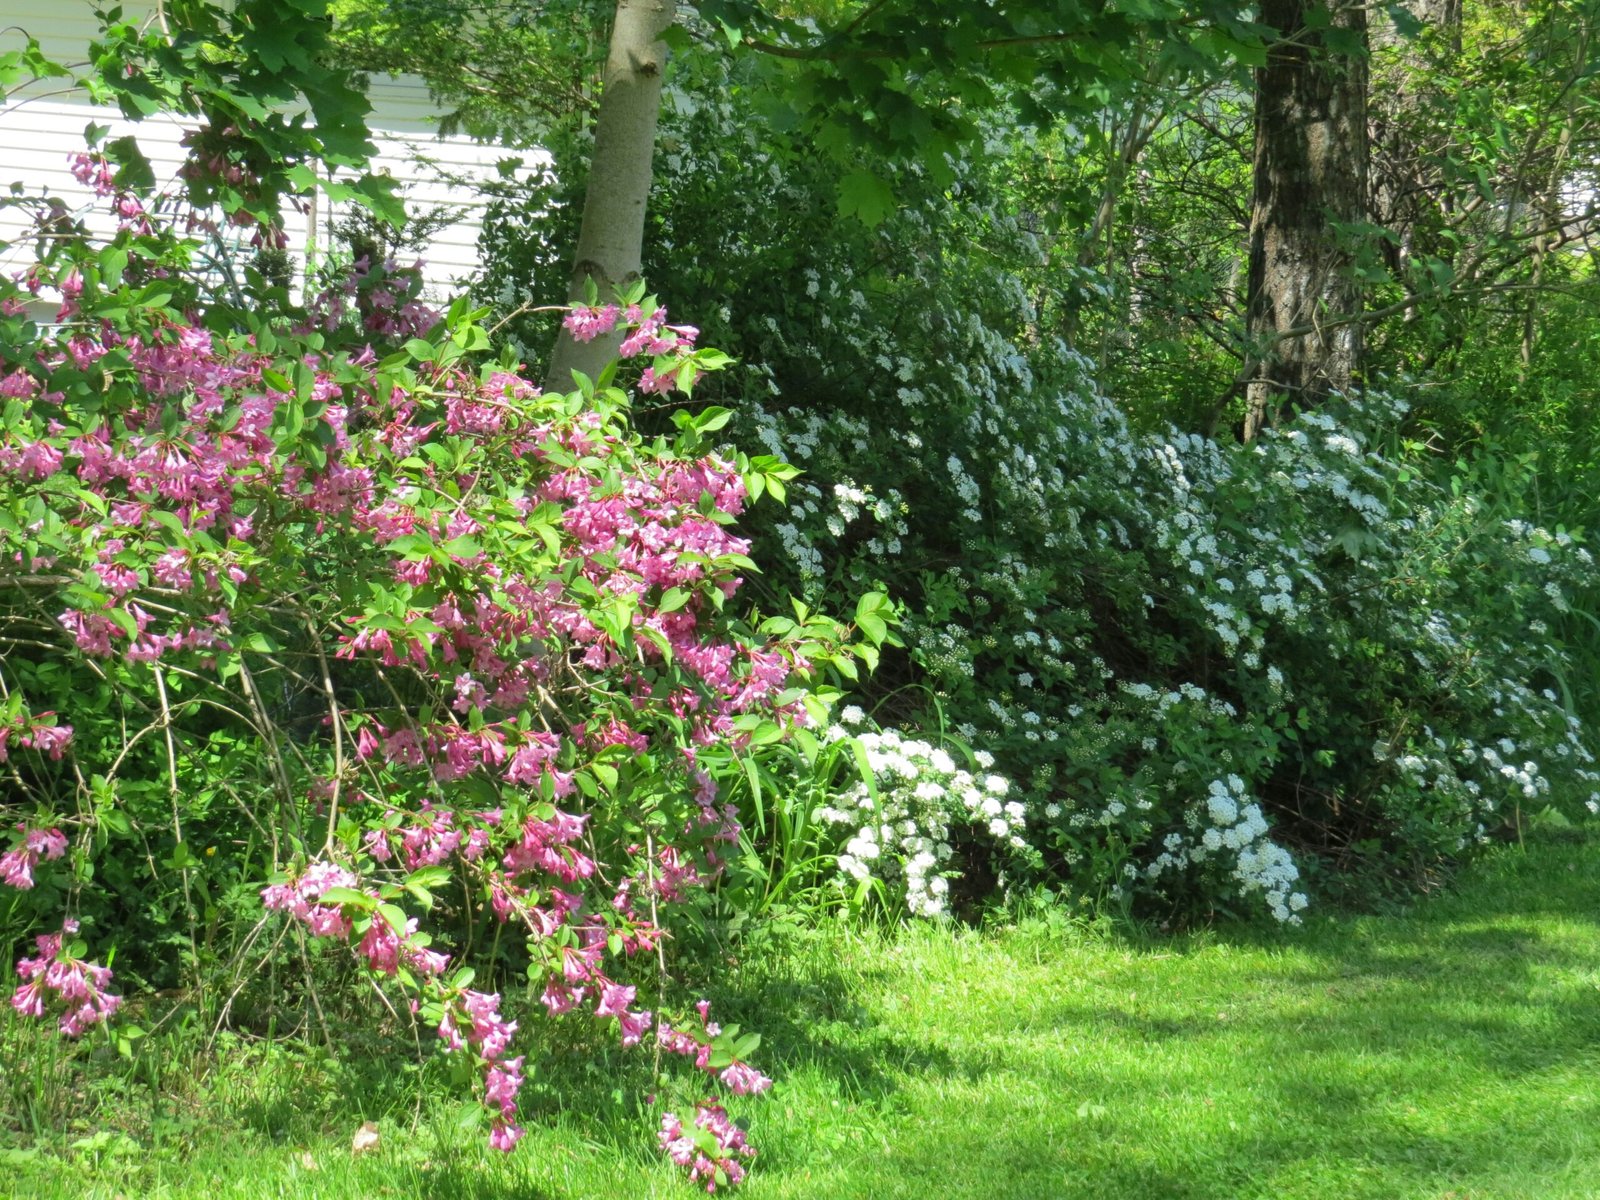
1450 1051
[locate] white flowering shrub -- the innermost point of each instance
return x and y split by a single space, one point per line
1227 831
910 803
1136 618
1125 614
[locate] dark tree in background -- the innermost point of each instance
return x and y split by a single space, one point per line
1310 195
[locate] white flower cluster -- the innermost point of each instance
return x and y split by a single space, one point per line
901 834
1227 823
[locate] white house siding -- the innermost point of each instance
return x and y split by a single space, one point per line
43 124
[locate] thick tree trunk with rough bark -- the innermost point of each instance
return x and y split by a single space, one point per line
1310 177
611 238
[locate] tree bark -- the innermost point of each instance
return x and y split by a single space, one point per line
611 237
1310 177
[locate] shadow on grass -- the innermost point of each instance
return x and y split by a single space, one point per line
1381 1056
1435 1050
1420 1053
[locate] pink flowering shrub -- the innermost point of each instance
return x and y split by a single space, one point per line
709 1149
59 978
429 659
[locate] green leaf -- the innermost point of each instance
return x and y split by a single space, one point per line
343 896
866 197
712 419
113 262
766 733
429 877
394 917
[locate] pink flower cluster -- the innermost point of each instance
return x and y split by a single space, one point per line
578 975
710 1151
37 734
489 1034
299 897
547 846
587 322
17 864
383 947
650 335
469 1018
59 975
738 1077
95 172
383 297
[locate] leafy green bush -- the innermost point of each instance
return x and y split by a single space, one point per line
1220 677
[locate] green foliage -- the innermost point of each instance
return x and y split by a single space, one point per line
879 77
1127 620
513 71
269 104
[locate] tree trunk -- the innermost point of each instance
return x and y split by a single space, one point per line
611 238
1310 178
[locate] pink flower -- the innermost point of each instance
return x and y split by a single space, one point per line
614 1000
16 867
744 1080
326 921
585 324
559 998
504 1135
29 999
633 1026
172 569
381 946
50 843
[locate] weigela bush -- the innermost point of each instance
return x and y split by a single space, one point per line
420 653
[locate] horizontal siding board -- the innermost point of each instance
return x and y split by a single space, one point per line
39 132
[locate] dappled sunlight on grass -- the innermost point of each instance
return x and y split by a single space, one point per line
1446 1051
